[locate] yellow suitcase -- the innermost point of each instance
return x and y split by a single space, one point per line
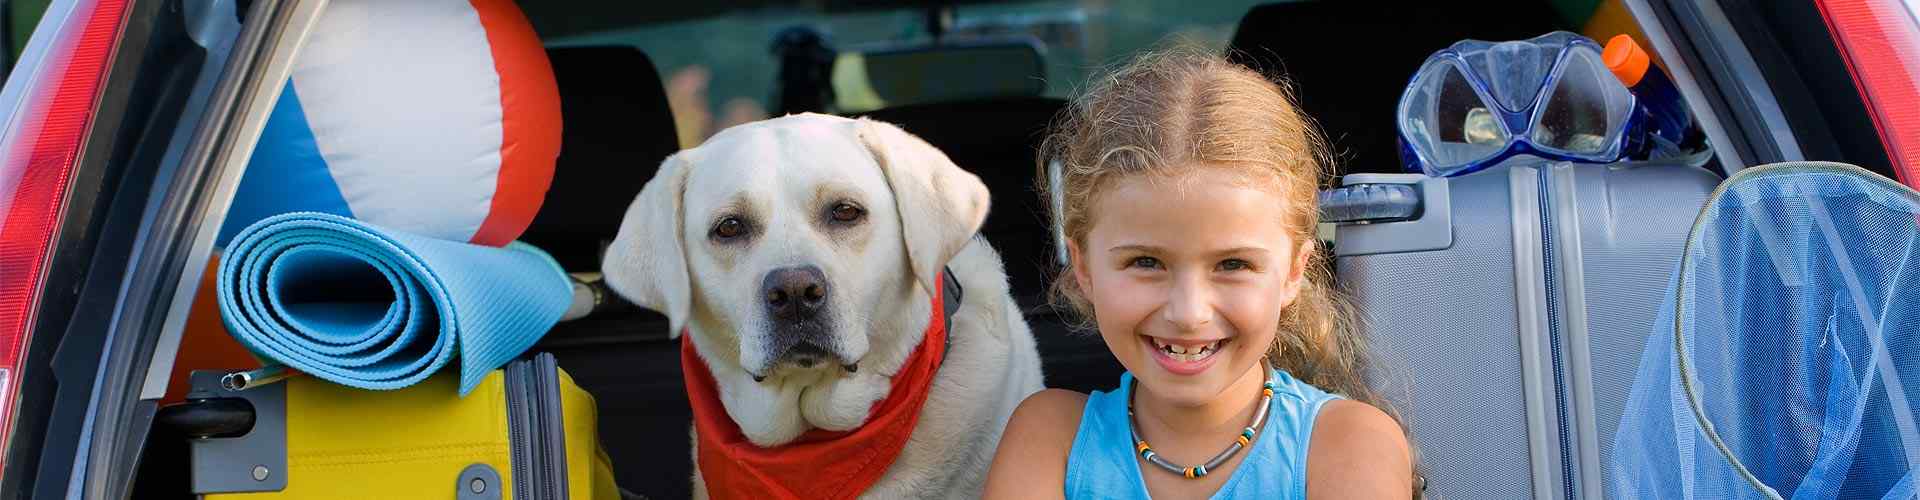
527 432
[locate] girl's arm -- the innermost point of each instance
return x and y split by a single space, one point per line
1357 451
1032 459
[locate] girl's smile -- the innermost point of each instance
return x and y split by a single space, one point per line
1189 304
1184 356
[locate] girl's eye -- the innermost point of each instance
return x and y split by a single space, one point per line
1146 262
1235 265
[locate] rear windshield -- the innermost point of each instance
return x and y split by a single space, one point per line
721 71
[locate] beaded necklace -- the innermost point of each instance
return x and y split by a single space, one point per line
1240 442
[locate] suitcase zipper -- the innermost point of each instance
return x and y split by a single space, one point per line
1553 331
552 431
537 428
519 429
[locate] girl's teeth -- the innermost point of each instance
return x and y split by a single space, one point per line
1187 353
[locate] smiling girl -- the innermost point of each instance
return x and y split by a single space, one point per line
1189 188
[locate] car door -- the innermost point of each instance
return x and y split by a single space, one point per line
123 124
1779 80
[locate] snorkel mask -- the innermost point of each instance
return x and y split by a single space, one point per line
1477 103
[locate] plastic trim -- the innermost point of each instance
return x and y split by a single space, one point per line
1668 47
1752 84
174 245
219 47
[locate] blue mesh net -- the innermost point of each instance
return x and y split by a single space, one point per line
1785 364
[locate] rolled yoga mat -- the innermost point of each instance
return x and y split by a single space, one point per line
366 307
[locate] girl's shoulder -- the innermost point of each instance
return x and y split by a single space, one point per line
1034 447
1051 415
1357 451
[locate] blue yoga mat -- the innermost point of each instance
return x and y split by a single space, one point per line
366 307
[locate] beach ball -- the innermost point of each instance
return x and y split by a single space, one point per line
433 117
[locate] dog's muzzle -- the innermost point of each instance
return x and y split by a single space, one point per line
796 301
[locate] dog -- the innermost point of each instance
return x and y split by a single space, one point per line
801 256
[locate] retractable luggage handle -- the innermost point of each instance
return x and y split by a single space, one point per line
1389 213
243 380
1369 203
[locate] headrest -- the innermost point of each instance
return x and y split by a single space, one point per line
619 129
433 117
1353 89
1005 122
998 140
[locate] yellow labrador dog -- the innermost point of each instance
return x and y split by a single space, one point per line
800 254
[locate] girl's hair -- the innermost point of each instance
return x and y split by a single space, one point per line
1177 108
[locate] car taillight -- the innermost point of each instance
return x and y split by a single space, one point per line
1880 40
45 111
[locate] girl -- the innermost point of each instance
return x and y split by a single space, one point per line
1190 186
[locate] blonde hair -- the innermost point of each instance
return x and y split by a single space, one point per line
1181 107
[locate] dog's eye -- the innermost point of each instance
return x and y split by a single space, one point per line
847 212
729 228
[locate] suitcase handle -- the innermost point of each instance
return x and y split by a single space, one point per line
1369 203
209 418
1388 213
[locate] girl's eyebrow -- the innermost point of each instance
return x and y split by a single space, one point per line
1241 250
1157 250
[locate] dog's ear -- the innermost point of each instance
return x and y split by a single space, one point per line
940 205
647 262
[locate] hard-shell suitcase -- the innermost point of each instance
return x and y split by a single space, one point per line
526 432
1507 310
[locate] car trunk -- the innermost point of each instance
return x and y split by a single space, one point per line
619 124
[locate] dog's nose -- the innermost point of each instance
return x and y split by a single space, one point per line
794 293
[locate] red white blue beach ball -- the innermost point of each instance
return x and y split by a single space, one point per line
434 117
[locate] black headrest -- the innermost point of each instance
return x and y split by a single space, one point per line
998 140
1350 60
617 128
1006 122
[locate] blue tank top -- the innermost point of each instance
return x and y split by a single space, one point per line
1103 465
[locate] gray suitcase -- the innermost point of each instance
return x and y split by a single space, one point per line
1507 310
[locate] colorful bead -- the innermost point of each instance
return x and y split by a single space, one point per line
1140 447
1246 432
1242 439
1189 473
1268 392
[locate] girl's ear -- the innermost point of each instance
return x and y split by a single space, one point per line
1297 274
1077 264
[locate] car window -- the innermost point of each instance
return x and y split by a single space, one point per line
721 71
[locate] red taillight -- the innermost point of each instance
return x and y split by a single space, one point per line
41 134
1880 40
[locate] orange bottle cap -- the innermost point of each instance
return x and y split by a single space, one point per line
1626 59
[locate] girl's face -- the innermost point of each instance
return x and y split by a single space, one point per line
1188 278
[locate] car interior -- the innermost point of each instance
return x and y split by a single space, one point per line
980 80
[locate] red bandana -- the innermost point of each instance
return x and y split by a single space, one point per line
821 463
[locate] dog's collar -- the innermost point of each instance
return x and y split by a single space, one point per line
820 464
951 294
